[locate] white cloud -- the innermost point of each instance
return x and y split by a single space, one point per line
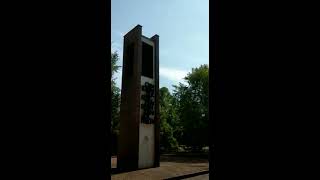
173 74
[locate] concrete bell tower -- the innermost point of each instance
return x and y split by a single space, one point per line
139 111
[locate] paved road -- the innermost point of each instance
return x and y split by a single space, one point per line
200 177
169 167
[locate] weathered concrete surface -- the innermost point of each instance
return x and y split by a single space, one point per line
146 136
200 177
131 154
169 167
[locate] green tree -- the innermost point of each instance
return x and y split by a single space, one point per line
192 106
115 103
168 119
115 94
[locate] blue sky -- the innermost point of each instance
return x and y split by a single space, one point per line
183 27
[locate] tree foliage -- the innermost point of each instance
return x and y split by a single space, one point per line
115 94
168 119
115 104
183 114
192 107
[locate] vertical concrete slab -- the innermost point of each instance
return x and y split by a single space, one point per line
139 131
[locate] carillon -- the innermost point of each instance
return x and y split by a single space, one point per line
139 109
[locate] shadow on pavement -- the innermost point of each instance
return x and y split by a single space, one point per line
184 158
118 171
189 175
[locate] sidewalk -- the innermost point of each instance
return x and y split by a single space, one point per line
170 167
